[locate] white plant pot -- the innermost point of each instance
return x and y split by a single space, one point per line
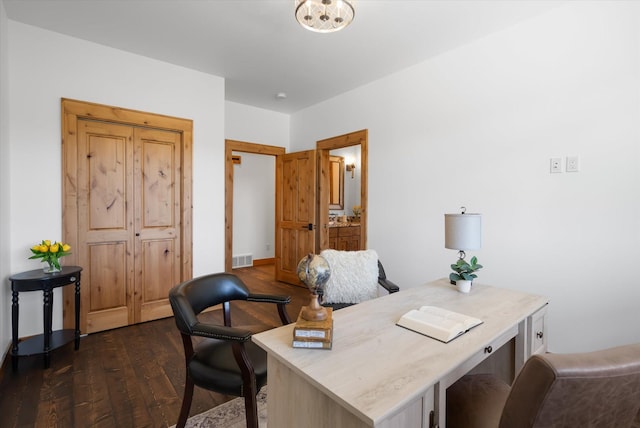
463 286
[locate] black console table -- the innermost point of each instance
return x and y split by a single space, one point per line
37 280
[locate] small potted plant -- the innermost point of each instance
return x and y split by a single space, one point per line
463 273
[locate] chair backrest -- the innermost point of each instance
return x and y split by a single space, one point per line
594 389
191 297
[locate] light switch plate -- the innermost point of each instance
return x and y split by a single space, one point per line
556 165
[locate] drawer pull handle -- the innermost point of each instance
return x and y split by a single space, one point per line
488 350
539 335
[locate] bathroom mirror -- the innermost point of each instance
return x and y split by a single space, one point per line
336 182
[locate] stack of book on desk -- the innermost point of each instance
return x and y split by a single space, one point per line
313 334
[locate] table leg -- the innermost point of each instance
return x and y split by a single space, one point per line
77 309
521 351
15 309
48 315
440 404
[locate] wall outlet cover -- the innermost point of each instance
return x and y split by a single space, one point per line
573 164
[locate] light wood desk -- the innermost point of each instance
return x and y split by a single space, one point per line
382 375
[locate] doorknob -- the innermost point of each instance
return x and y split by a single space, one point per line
309 226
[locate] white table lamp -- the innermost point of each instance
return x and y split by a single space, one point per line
463 232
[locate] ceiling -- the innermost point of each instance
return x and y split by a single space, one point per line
260 49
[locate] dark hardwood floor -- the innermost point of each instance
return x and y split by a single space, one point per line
127 377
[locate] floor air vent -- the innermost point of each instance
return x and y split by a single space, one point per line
242 260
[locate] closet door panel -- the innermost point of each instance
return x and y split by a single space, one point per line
157 221
105 220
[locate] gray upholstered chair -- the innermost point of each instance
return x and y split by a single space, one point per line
595 389
225 359
356 276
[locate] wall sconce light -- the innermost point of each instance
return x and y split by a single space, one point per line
351 167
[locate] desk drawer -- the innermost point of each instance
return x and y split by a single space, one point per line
537 334
480 356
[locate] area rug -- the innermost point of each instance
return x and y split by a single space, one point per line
230 414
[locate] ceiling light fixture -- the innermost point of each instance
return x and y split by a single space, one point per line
324 16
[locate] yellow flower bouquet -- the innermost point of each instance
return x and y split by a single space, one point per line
50 253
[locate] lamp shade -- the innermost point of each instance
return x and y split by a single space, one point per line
463 231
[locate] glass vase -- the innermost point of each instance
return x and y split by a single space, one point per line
51 268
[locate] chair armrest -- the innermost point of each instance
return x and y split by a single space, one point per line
384 282
220 332
281 301
337 306
269 298
388 285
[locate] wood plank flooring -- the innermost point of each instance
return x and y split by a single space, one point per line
127 377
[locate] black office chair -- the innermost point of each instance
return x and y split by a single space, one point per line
226 361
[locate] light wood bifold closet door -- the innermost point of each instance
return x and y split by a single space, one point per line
130 221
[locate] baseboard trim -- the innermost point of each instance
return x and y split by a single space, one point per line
4 364
261 262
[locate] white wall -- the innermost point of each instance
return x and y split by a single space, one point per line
256 125
254 180
44 67
254 206
476 127
5 175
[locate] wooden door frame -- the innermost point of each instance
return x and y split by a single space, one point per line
323 148
231 146
72 112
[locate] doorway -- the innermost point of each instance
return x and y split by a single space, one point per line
323 150
232 146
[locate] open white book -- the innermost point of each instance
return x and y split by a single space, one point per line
438 323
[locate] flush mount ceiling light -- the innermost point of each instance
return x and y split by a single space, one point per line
324 16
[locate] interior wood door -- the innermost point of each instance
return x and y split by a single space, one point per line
157 232
126 211
105 247
128 222
295 212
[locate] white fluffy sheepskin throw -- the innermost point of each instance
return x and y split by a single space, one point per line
354 276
